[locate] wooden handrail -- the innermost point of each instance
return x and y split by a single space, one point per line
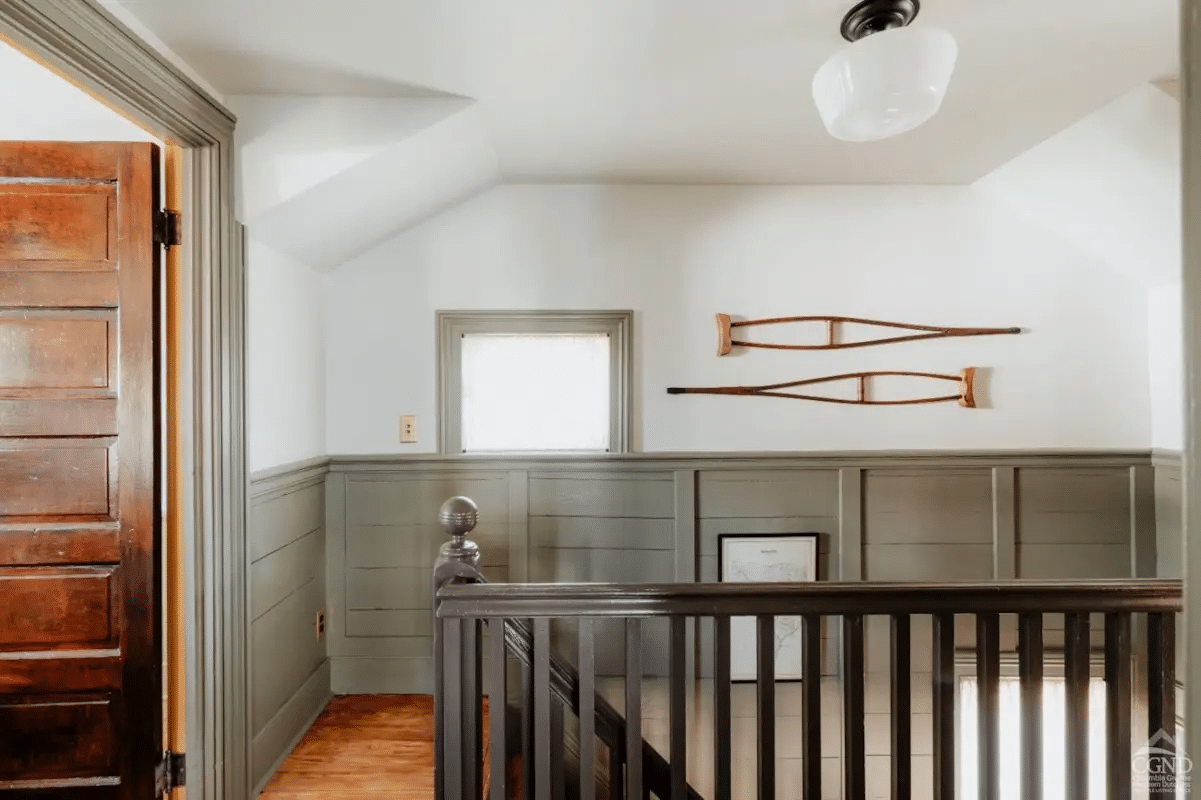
711 599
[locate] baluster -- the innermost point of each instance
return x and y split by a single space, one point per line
458 560
1030 673
440 693
1117 705
988 714
587 706
721 708
558 777
765 659
944 706
497 704
678 710
1161 687
452 707
541 765
527 731
1075 670
473 739
633 764
617 781
852 707
902 732
811 707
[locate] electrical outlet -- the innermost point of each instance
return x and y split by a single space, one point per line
408 429
320 623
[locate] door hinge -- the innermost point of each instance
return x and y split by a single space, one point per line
171 773
168 228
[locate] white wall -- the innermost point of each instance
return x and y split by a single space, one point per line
1165 366
677 255
1109 183
37 104
286 359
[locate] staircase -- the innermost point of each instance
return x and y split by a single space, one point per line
1035 631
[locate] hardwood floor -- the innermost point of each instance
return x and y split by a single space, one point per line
363 747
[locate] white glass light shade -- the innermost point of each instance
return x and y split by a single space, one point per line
885 83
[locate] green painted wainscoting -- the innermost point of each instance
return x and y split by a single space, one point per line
357 536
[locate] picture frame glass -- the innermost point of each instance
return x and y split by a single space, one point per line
766 558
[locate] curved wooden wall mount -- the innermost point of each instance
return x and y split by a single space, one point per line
966 396
726 341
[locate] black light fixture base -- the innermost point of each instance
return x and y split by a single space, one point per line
873 16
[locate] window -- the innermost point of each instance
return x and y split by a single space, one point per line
545 382
1054 731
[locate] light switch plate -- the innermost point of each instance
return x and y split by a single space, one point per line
408 429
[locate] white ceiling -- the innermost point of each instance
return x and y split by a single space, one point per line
680 90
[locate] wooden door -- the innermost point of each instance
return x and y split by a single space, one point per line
80 660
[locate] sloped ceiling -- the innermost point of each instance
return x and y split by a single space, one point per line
1110 184
324 179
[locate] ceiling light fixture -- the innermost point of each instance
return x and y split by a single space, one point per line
889 79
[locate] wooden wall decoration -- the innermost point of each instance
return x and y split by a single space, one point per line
964 395
726 341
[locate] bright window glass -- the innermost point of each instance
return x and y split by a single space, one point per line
535 392
1054 733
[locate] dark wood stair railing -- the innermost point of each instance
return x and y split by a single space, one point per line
608 724
462 603
545 674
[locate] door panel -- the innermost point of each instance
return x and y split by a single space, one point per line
48 350
48 481
81 417
65 544
63 736
57 607
61 289
58 227
80 661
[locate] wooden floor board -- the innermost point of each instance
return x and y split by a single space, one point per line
363 747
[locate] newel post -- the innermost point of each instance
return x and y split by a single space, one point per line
458 745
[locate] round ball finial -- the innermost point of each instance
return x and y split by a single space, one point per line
459 516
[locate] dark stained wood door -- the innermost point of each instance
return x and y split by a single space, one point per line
80 644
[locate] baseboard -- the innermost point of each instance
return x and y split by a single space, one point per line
317 686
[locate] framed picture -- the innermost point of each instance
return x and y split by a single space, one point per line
766 558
